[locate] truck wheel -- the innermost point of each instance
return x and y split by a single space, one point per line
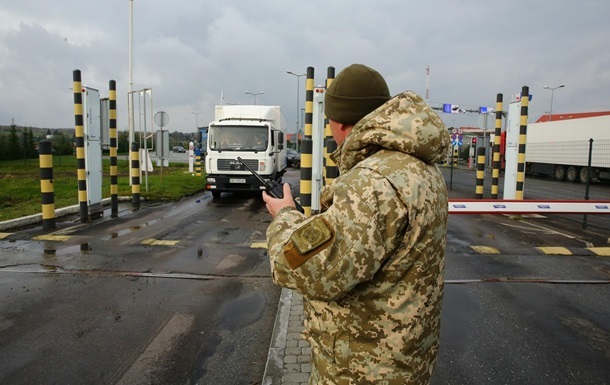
216 193
571 174
559 173
583 175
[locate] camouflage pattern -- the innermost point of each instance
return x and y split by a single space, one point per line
372 294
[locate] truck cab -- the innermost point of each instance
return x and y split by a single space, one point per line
252 133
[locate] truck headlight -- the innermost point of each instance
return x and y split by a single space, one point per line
211 180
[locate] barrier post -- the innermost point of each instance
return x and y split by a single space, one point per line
480 172
45 151
332 171
114 188
307 145
197 162
495 173
79 138
522 140
135 176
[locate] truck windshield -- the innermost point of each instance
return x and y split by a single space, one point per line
238 138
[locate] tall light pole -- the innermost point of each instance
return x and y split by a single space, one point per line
197 118
298 76
552 92
130 84
254 94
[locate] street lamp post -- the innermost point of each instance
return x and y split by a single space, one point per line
197 118
552 92
298 76
254 94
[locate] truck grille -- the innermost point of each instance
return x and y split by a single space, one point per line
235 165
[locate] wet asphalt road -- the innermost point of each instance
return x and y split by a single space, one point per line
113 304
180 293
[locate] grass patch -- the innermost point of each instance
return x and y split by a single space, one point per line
20 184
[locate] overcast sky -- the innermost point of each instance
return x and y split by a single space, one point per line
192 52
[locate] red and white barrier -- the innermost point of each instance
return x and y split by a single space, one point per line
492 206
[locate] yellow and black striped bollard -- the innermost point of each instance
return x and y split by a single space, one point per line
135 176
496 149
79 139
114 179
331 169
307 146
45 151
480 172
522 140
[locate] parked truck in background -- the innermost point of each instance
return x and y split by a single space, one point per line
255 134
561 148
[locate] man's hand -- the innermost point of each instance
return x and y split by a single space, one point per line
275 205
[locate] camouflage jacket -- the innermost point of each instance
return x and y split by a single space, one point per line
370 265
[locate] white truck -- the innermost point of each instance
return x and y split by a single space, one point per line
252 132
561 148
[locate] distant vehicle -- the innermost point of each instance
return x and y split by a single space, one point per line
561 148
178 149
293 158
251 132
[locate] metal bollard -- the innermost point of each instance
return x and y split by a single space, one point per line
135 176
79 138
45 151
114 180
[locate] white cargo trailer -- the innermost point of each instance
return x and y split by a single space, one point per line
561 148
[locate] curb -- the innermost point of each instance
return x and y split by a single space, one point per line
37 218
277 349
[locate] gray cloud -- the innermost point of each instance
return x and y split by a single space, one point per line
192 52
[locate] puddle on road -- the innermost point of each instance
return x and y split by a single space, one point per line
122 232
243 311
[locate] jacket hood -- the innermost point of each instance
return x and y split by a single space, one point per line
404 123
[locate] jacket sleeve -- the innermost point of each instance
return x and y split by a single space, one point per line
367 219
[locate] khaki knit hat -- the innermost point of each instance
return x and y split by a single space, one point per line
355 92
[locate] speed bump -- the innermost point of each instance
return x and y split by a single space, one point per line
553 250
158 242
51 237
485 249
600 251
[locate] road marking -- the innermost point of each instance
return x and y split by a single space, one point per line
600 251
51 237
69 230
259 245
5 235
551 250
145 369
158 242
545 230
485 249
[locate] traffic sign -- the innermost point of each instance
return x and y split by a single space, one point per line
161 119
451 109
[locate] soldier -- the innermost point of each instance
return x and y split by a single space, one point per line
370 266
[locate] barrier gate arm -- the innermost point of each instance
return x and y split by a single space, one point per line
493 206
